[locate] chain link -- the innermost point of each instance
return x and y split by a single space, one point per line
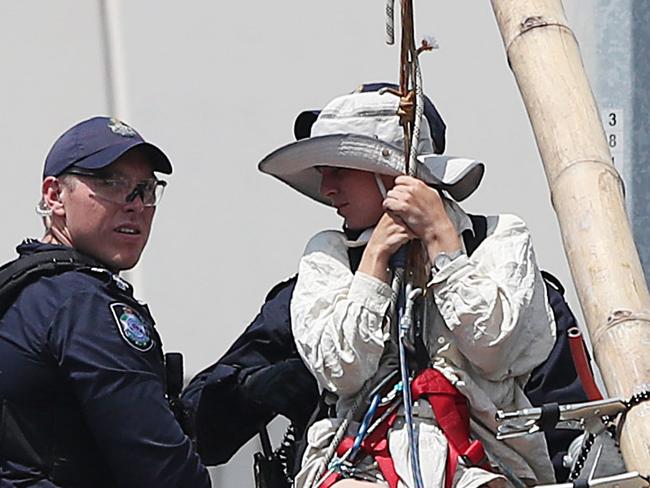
611 428
283 452
637 398
587 444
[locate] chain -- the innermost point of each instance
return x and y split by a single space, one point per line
637 398
612 429
582 457
283 452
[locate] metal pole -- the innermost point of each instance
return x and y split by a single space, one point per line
587 196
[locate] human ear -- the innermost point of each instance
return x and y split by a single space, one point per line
51 193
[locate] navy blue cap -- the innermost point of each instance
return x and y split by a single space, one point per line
305 120
97 142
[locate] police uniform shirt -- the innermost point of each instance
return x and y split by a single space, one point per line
82 376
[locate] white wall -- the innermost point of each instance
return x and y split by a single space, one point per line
217 86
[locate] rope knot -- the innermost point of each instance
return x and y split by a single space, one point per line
406 109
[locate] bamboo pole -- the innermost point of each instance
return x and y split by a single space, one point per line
586 192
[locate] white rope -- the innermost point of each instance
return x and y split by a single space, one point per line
381 186
390 22
416 80
419 111
317 477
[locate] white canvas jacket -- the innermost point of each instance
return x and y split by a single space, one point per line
488 326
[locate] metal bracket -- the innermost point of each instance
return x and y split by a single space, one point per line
587 416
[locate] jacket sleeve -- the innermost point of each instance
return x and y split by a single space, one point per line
120 388
337 317
494 303
225 418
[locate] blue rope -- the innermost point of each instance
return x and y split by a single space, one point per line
406 393
365 423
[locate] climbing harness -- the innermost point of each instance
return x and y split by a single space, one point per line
450 410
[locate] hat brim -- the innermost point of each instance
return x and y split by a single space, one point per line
296 164
110 154
459 177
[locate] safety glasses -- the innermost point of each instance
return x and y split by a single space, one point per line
119 189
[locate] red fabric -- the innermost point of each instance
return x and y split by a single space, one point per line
452 415
376 445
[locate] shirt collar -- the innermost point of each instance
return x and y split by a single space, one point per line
362 240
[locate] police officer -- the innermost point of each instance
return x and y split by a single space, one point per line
82 377
260 376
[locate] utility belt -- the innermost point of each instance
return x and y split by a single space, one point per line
445 404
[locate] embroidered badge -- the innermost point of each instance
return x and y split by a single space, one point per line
120 128
133 329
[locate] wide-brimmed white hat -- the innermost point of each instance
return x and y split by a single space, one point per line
362 131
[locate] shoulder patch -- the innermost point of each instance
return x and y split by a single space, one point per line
133 329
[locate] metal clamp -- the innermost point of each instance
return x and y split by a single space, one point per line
587 416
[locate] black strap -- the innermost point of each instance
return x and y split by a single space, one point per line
550 416
473 240
17 274
553 281
54 260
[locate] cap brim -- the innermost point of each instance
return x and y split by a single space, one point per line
109 155
296 164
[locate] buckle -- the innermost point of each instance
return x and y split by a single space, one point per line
422 410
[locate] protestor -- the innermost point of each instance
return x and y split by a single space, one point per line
82 377
487 323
